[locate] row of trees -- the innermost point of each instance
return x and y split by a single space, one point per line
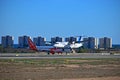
13 50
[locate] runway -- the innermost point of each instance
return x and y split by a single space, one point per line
45 56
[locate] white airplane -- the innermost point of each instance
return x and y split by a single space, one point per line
48 49
77 44
69 45
74 45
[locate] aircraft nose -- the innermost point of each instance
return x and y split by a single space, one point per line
55 45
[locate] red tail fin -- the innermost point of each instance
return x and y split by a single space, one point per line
31 44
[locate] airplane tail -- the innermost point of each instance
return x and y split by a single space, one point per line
31 45
79 40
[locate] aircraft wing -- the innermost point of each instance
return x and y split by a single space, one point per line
81 41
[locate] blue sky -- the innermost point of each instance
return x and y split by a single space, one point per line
50 18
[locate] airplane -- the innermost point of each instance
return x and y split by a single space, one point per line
58 47
76 44
72 45
60 44
48 49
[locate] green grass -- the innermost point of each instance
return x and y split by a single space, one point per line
62 61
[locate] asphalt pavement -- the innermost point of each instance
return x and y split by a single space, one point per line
45 55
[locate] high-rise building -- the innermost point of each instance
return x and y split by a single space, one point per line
23 41
56 39
90 43
105 43
71 39
39 41
7 41
67 39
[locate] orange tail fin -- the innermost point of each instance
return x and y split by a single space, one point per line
31 44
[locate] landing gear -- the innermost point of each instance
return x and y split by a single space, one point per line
48 53
60 53
73 51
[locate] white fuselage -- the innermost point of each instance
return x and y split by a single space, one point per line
66 45
60 44
74 45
